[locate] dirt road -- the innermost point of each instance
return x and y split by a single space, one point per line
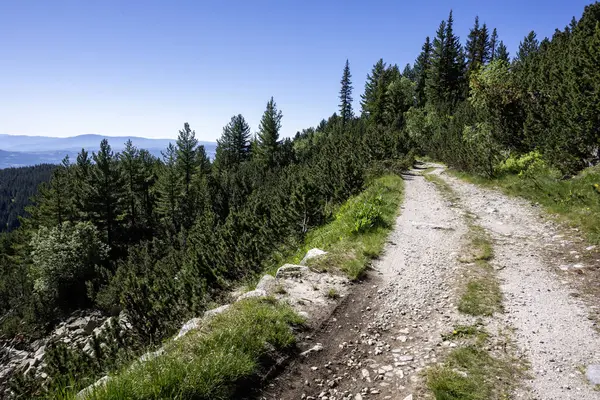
386 334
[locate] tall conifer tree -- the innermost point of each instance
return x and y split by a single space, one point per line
268 134
234 145
346 112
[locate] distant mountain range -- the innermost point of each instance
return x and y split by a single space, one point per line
20 150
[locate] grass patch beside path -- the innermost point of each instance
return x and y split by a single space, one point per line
360 228
472 372
213 362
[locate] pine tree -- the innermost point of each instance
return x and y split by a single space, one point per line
55 201
409 72
445 86
187 166
169 189
346 112
484 45
268 134
369 97
494 45
502 53
472 47
435 79
233 147
130 166
105 192
81 175
422 71
478 47
527 47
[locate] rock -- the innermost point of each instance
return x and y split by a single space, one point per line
60 331
40 351
267 283
409 397
357 396
152 355
193 323
252 294
90 389
88 348
312 254
91 325
216 311
79 323
314 349
405 358
593 374
291 270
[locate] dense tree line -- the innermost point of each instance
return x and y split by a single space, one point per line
17 186
475 107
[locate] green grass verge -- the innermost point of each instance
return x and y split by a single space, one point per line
214 361
472 372
360 228
575 201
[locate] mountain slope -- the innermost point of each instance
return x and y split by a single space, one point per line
20 150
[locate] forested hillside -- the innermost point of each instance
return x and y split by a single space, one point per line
17 186
161 238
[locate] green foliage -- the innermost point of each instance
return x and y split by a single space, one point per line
351 251
518 165
367 215
64 262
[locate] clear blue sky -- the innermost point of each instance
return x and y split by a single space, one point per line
143 68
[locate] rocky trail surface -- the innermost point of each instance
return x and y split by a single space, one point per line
385 334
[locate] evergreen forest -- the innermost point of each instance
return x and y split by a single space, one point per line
163 238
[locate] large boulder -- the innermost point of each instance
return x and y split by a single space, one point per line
312 254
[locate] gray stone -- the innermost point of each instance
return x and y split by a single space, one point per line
314 349
79 323
252 294
593 374
216 311
267 283
291 270
312 254
409 397
151 355
193 323
90 389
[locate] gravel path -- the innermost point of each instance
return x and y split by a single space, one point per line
388 329
552 325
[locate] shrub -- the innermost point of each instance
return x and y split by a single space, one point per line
517 165
368 214
65 258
